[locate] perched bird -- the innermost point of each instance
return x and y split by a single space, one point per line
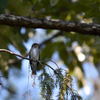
34 54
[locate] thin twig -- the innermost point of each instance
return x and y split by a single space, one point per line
10 52
52 62
42 63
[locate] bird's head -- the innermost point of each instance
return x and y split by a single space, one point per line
35 45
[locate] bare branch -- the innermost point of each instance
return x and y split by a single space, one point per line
68 26
43 63
10 52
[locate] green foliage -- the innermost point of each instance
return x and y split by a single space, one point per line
3 4
49 83
48 50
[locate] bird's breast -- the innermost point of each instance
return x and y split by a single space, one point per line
35 54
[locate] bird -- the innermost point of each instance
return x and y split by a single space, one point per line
34 56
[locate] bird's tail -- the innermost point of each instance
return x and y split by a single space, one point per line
33 68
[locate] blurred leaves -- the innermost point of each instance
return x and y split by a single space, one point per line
3 5
42 8
12 36
48 50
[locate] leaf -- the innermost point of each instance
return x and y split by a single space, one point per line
48 50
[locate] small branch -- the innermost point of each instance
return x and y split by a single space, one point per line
68 26
51 38
41 62
52 62
12 53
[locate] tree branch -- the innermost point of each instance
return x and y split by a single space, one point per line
51 38
10 52
42 63
68 26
